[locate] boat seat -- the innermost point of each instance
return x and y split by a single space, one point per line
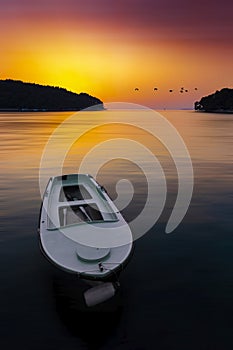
79 213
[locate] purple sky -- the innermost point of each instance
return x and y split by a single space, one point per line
199 18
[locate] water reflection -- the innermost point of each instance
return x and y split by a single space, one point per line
176 288
24 136
93 325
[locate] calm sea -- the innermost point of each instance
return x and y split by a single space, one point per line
176 292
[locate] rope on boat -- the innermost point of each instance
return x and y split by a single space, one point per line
106 268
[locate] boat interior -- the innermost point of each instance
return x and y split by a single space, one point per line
73 193
77 203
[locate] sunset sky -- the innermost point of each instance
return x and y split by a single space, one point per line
108 48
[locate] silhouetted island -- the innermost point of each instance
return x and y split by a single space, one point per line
16 95
219 102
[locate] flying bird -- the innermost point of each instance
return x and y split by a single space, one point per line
155 89
136 89
170 90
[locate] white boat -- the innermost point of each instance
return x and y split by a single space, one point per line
82 232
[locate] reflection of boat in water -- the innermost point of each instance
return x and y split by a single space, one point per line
82 232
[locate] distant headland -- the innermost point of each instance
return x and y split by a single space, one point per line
16 95
219 102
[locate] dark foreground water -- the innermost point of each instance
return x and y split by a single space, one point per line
177 291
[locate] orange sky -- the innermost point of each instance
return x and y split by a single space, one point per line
109 49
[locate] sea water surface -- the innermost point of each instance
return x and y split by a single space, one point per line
176 292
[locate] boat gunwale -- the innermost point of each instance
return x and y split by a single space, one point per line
81 223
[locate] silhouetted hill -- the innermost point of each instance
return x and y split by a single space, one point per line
221 101
20 96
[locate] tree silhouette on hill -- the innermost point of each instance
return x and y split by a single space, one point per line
220 101
17 95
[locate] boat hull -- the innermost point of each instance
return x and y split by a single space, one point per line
67 244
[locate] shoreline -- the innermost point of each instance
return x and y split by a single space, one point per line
27 110
217 111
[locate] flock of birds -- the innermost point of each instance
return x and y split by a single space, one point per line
182 89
